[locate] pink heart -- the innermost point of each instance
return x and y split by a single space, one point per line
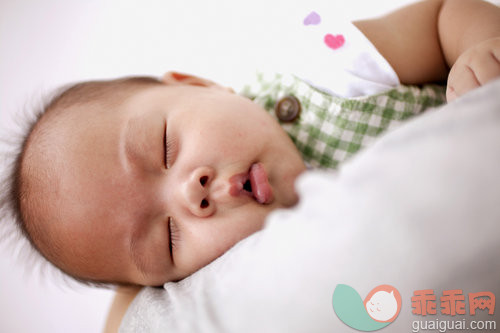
334 42
312 18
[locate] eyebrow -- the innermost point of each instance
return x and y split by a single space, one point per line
139 263
165 144
140 144
128 150
138 260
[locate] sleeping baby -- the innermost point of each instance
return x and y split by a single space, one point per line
140 181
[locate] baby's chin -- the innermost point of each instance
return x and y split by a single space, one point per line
291 196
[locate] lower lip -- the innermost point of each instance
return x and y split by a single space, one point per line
261 189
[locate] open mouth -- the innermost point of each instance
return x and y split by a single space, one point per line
248 186
254 183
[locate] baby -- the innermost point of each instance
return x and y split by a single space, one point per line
143 181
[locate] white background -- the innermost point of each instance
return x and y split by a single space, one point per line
46 43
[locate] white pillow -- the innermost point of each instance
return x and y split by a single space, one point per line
420 209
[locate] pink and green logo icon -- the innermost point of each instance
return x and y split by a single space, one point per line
380 307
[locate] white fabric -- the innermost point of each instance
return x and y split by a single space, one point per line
354 69
418 210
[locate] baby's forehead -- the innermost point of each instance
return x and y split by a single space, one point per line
76 136
62 139
65 149
91 116
90 113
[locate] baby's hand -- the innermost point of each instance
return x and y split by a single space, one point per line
474 68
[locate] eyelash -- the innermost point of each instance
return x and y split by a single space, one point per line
174 235
168 152
169 145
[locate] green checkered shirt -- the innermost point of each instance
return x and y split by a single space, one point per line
330 129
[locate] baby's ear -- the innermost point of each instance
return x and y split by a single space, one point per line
176 78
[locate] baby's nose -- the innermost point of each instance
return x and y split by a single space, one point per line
196 192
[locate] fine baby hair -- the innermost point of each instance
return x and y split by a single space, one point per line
18 203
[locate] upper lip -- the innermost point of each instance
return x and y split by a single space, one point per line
232 190
239 185
253 183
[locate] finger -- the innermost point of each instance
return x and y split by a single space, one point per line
487 66
462 79
451 95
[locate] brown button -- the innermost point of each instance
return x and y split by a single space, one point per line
287 109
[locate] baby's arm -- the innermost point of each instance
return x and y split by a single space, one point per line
123 297
424 40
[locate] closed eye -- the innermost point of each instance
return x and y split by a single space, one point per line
169 147
173 236
165 147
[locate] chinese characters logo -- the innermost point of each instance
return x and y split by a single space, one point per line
452 302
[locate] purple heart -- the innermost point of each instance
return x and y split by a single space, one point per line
312 18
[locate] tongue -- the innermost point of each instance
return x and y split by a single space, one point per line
260 185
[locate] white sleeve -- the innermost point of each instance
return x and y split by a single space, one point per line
337 57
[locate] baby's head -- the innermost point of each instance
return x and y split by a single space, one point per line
144 181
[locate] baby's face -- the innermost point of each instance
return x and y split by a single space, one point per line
157 189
